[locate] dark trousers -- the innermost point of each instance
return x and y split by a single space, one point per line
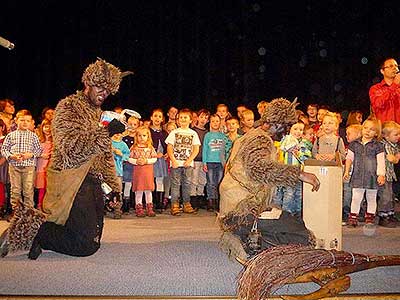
81 234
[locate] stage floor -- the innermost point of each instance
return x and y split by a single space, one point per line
175 258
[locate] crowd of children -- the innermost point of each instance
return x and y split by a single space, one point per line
177 160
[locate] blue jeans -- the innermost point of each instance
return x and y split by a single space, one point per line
289 198
181 177
346 203
215 172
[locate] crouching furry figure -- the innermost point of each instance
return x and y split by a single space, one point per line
82 158
253 172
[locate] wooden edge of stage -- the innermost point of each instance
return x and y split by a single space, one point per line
342 296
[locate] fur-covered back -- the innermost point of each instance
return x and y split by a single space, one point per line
78 137
252 174
258 156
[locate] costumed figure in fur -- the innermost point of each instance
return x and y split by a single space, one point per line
73 207
253 172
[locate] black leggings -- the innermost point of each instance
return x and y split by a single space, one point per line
81 234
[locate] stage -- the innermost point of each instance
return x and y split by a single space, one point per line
172 258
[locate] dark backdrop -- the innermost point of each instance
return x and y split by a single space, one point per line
199 53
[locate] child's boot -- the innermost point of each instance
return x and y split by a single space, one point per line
210 205
160 202
125 206
352 220
369 218
188 209
149 210
175 209
139 211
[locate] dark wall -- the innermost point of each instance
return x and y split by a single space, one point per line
198 53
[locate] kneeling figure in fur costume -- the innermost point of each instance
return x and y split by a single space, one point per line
73 209
252 172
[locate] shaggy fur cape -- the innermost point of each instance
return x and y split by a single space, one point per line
81 147
251 174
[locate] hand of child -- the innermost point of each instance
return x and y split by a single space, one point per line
346 176
186 164
381 180
117 151
141 161
159 155
205 169
26 155
174 164
392 158
17 156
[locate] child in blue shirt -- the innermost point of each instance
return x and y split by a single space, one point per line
213 160
121 153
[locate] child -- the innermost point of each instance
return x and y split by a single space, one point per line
160 169
182 145
368 159
246 121
289 198
199 179
261 107
143 156
308 136
232 125
46 141
129 139
322 111
121 153
213 161
354 117
21 148
353 132
167 180
4 178
391 136
223 113
329 146
312 111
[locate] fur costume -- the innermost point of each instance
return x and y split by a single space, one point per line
252 171
88 144
23 227
82 153
104 74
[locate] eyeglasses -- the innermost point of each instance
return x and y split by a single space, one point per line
390 66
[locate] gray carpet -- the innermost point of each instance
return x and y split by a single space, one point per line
176 256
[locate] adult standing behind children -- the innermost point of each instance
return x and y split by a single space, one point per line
183 145
21 148
385 95
82 156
